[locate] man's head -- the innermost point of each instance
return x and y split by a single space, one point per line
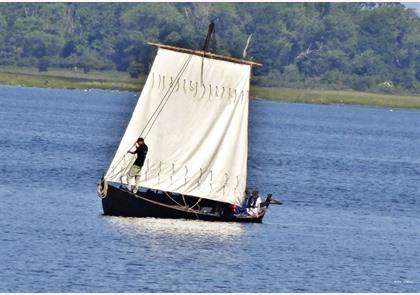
254 194
140 140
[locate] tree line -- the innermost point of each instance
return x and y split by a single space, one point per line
362 46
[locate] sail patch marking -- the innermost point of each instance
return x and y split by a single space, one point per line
204 91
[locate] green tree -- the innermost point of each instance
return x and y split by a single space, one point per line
348 45
43 64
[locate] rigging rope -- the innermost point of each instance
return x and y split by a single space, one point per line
188 210
165 97
211 33
173 199
183 198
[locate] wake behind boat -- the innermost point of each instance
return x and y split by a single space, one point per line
193 115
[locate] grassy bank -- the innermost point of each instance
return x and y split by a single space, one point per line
122 81
336 97
69 79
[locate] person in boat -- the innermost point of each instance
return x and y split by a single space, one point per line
242 209
135 170
235 209
254 204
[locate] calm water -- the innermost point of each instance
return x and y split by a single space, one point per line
349 177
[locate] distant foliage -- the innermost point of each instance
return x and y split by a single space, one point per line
43 64
363 46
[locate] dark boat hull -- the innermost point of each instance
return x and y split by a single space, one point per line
121 202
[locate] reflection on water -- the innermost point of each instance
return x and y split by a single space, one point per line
176 227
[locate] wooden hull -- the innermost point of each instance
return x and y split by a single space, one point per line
121 202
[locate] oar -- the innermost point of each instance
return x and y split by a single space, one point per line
270 200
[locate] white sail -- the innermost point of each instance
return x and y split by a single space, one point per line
193 114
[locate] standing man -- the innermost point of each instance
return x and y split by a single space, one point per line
134 172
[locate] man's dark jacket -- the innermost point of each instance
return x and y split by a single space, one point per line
141 152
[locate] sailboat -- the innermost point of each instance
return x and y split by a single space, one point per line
193 116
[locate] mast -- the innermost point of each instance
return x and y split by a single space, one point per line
209 33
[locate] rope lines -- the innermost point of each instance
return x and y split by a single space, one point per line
165 99
155 114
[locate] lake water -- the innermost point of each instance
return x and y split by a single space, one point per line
349 177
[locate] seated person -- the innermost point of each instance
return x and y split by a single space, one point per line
242 209
253 204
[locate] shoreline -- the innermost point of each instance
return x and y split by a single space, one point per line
121 81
